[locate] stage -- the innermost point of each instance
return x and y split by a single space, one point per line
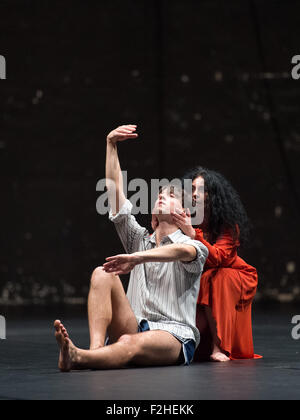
28 365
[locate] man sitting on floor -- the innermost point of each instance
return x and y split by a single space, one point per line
154 324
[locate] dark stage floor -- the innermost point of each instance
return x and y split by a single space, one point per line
28 365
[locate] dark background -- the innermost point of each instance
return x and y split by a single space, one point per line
208 83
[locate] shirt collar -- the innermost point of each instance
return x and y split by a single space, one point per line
173 237
153 238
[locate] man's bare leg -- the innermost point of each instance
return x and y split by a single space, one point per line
151 348
108 309
217 354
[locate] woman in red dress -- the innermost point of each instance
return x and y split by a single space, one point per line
228 283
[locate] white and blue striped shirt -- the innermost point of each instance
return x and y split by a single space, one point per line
165 293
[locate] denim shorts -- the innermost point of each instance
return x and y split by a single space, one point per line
188 346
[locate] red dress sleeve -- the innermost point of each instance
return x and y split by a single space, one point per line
223 253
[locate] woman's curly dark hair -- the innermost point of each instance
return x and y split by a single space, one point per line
223 208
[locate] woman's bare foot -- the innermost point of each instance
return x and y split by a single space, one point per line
218 356
68 352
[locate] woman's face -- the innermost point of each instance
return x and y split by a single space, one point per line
198 191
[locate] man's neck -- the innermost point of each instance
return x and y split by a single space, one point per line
164 229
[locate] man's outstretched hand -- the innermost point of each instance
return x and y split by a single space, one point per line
122 133
121 264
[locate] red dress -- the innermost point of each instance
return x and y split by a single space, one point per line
228 286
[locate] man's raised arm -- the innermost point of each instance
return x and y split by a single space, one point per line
114 178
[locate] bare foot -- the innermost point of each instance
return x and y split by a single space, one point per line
68 352
218 356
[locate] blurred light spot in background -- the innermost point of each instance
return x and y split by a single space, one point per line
198 117
185 78
229 138
291 267
278 211
219 76
135 73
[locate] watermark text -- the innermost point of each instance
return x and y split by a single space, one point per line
296 69
2 67
2 328
296 329
143 191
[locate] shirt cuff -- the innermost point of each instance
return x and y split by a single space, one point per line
123 212
202 254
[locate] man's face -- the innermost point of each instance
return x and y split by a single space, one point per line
168 202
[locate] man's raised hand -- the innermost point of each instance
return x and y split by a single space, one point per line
122 133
